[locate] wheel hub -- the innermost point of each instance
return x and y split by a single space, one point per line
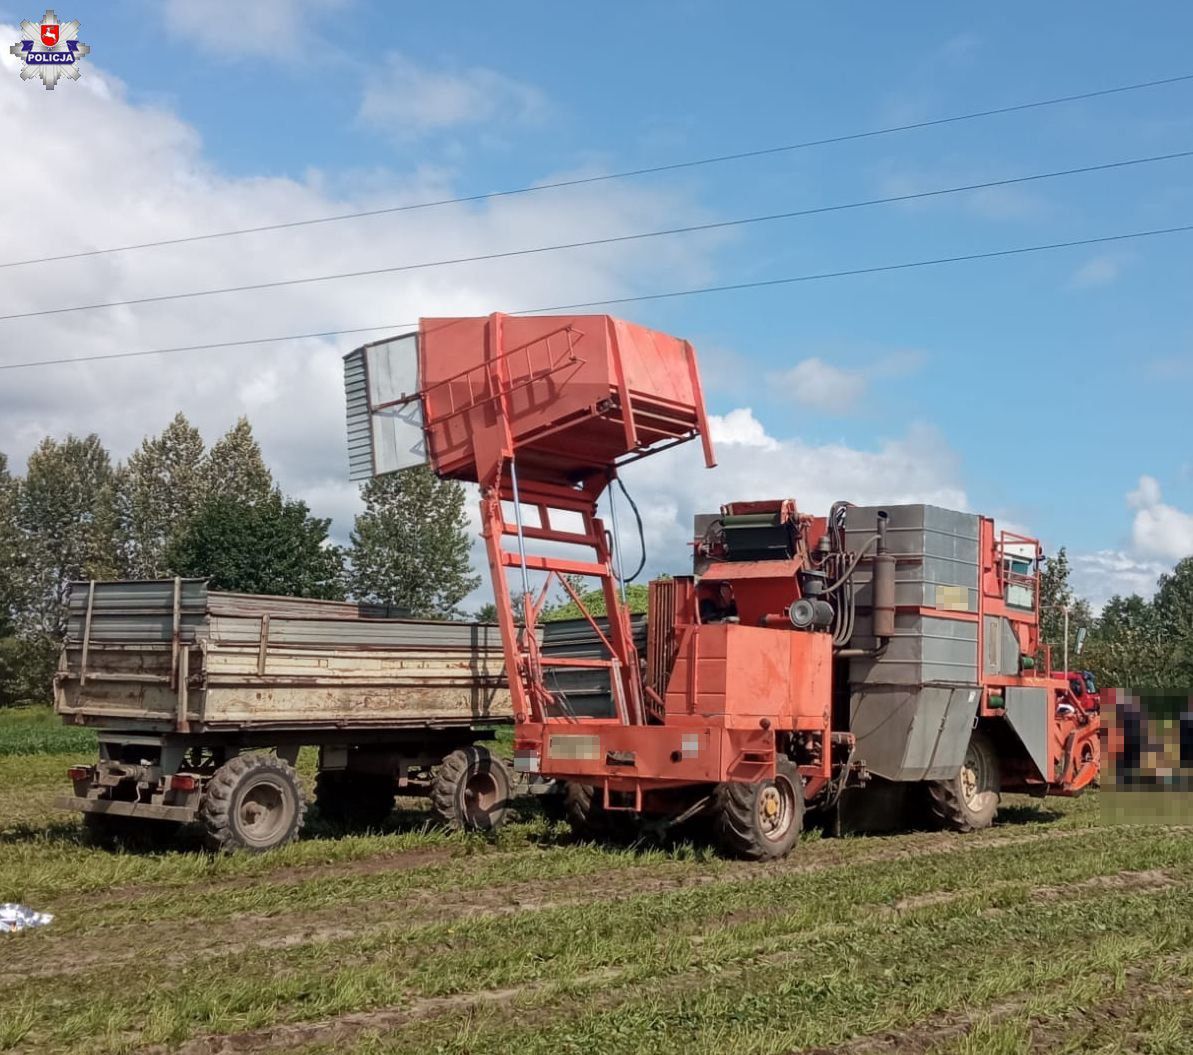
973 774
774 813
480 795
262 811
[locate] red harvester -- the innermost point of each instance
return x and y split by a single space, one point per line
807 655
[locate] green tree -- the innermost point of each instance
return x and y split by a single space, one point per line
65 514
271 546
637 597
1128 646
11 549
235 468
57 527
157 492
410 546
1056 593
1173 607
11 585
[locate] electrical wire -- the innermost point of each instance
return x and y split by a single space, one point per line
713 225
624 174
819 276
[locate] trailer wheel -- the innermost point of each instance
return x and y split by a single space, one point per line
253 802
362 799
760 821
969 801
471 790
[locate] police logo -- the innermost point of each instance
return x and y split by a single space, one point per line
50 50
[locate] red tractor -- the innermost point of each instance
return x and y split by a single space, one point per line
807 654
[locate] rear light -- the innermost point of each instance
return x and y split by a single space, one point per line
183 782
77 773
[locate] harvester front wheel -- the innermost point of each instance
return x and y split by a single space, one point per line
760 821
471 790
252 802
584 809
969 801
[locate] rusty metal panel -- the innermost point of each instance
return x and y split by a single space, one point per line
318 663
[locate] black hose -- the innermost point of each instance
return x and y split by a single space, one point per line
641 533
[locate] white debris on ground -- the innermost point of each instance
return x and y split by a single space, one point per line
17 917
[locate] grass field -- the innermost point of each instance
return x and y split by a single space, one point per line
1048 933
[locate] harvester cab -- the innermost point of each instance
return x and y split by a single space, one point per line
805 653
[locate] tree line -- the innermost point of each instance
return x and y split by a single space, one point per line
1133 641
179 507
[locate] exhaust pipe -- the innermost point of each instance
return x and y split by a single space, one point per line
883 586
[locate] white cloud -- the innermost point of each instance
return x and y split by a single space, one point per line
1100 575
407 100
835 389
1098 271
815 383
260 27
1159 530
752 464
79 191
1161 535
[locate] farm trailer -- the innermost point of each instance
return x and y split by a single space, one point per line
806 655
201 700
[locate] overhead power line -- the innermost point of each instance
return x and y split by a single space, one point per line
636 299
579 181
610 240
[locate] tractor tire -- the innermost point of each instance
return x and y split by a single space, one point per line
969 801
254 803
354 800
472 790
762 821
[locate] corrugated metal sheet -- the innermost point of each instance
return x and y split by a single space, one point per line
912 707
945 541
384 411
360 428
586 692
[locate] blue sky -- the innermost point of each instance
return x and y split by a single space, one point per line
1042 387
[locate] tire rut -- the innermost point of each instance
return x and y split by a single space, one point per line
941 1032
607 989
75 954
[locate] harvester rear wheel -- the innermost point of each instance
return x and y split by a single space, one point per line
760 821
969 801
252 802
471 790
354 799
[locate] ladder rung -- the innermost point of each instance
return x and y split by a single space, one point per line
559 564
566 661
